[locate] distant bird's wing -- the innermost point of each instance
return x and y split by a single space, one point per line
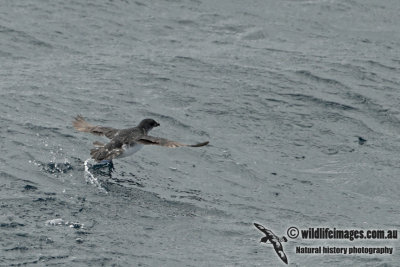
279 250
82 125
150 140
106 151
261 228
98 144
100 153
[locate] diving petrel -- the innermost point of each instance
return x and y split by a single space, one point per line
124 142
275 241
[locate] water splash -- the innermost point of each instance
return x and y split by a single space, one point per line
59 221
89 177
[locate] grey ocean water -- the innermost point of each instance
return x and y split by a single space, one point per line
282 89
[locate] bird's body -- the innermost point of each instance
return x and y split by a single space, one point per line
124 142
274 240
130 150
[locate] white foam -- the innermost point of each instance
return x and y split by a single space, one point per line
89 177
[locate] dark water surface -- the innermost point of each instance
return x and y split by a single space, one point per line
299 99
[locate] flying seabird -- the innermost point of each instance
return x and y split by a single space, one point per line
124 142
275 241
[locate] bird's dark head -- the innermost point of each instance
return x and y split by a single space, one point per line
148 124
264 239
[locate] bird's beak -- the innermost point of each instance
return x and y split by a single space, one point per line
157 124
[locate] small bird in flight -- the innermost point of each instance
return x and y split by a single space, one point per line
124 142
275 241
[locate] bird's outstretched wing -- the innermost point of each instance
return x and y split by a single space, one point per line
261 228
82 125
279 250
150 140
275 242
